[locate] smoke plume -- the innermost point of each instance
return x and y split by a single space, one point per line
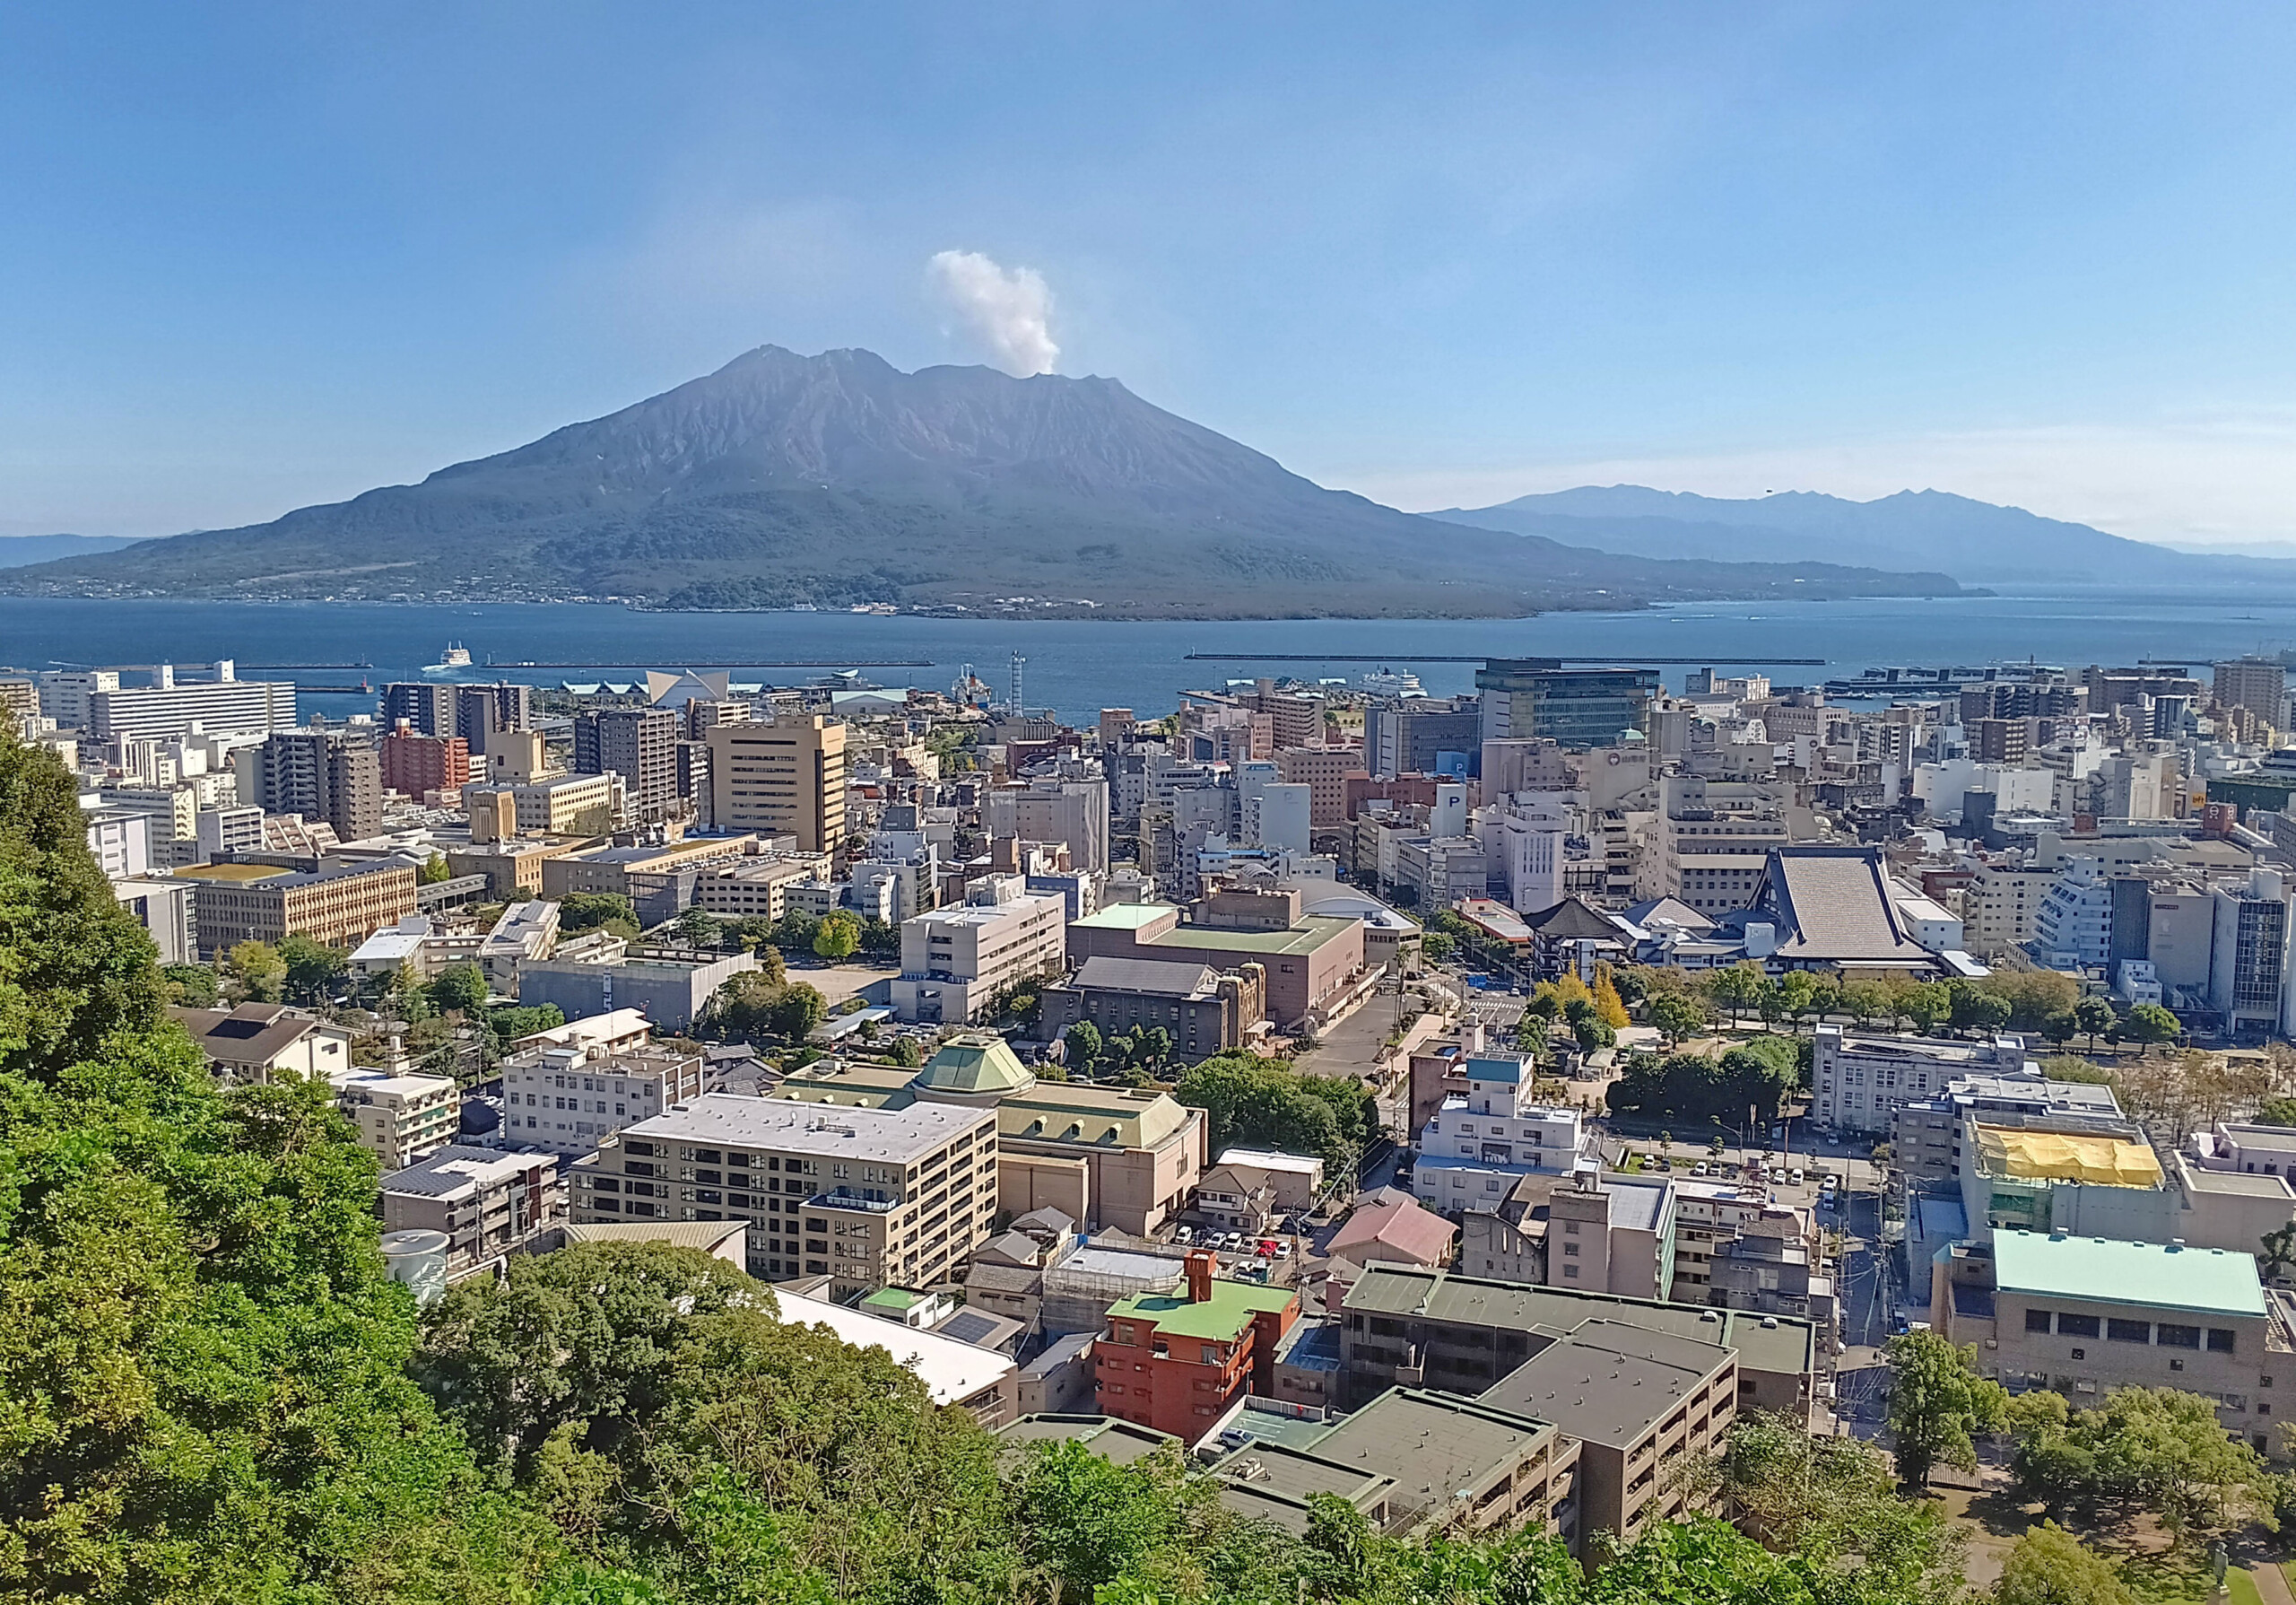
1008 308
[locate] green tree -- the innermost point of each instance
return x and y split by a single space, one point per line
2151 1025
459 989
1926 1004
699 928
1937 1403
1261 1102
837 938
1437 948
2060 1027
255 974
578 912
434 871
1866 1002
313 969
1084 1045
2094 1016
2049 1566
1737 988
191 986
798 1012
2277 1111
1974 1009
2278 1251
1675 1015
742 1008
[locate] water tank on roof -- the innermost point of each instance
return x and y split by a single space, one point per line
418 1260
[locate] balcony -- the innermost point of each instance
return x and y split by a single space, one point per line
840 1199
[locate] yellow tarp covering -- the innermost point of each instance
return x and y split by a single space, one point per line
2061 1156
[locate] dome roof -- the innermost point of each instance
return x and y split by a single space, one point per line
977 1064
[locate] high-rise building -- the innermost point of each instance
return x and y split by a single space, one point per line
1409 737
640 744
321 774
2260 685
1527 698
481 711
781 777
425 706
223 706
1071 811
414 763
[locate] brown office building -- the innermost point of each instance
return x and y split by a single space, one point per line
782 777
341 905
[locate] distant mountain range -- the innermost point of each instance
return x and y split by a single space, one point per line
1976 542
837 480
16 551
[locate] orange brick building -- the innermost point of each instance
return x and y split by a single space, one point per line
1177 1362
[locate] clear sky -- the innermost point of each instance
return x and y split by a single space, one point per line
253 255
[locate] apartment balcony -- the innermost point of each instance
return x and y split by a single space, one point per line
840 1199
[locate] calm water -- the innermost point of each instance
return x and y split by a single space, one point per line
1079 666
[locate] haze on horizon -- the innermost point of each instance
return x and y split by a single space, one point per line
1444 256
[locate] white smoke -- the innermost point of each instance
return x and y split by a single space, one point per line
1009 308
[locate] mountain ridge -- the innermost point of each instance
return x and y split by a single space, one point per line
836 479
1976 542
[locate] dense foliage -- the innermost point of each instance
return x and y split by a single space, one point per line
1695 1089
1264 1103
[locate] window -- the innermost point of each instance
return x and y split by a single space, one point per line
2082 1353
2220 1341
2168 1335
1571 1271
2069 1325
1571 1250
2128 1332
2037 1320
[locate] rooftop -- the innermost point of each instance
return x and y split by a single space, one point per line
1127 916
1312 932
1790 1345
895 1136
252 1033
1067 1111
2102 1270
1167 978
1221 1318
952 1371
708 1235
1118 1442
1609 1383
2273 1138
2090 1157
455 1169
975 1064
1299 1164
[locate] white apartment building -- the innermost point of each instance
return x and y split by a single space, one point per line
223 706
2073 929
954 962
1474 1148
526 930
401 1119
571 1097
870 1198
163 906
1710 840
2001 905
1862 1081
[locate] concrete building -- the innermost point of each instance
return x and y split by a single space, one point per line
2081 1316
414 764
670 992
1639 1402
1532 698
1482 1142
1927 1134
1411 1328
2260 685
2073 929
425 707
1315 964
571 1098
1611 1235
1179 1364
869 1198
333 776
401 1119
489 1204
525 931
223 706
1324 771
2247 972
754 888
483 712
1073 812
164 909
639 745
1861 1080
1411 736
785 777
957 962
1205 1012
513 866
426 946
981 1382
566 805
1711 841
339 906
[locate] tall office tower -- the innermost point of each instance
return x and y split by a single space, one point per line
784 778
1533 697
481 711
427 708
2260 685
640 744
321 774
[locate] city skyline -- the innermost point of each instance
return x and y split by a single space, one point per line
2025 257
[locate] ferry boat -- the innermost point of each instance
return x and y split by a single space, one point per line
457 656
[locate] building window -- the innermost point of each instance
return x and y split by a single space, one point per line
2128 1332
2037 1320
2168 1335
2069 1325
1571 1271
2220 1341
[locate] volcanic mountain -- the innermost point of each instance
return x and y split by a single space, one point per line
837 480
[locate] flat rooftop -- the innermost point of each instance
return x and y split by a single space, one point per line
1431 1444
1219 1319
894 1136
1608 1383
1790 1346
1121 1441
2204 1281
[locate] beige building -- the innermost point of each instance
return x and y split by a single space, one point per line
2001 905
869 1198
258 1043
782 777
401 1119
1639 1402
1862 1080
957 963
564 805
1324 771
757 888
487 1202
1711 841
2083 1315
617 871
340 906
513 866
1127 1158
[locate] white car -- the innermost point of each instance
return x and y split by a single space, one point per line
1698 1169
1776 1178
1186 1235
1795 1176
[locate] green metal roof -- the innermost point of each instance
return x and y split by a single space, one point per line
1312 933
2211 1281
1127 916
1220 1319
978 1064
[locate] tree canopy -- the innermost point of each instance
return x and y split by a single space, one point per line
1263 1103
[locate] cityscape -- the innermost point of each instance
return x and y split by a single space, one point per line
1046 805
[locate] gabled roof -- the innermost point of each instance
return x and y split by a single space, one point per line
1573 919
1173 978
1400 1230
1667 911
1832 904
253 1034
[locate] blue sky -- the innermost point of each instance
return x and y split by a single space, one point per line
254 257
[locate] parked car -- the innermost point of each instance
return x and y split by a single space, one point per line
1795 1176
1283 1251
1698 1169
1776 1177
1184 1235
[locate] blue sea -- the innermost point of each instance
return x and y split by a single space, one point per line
1079 666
